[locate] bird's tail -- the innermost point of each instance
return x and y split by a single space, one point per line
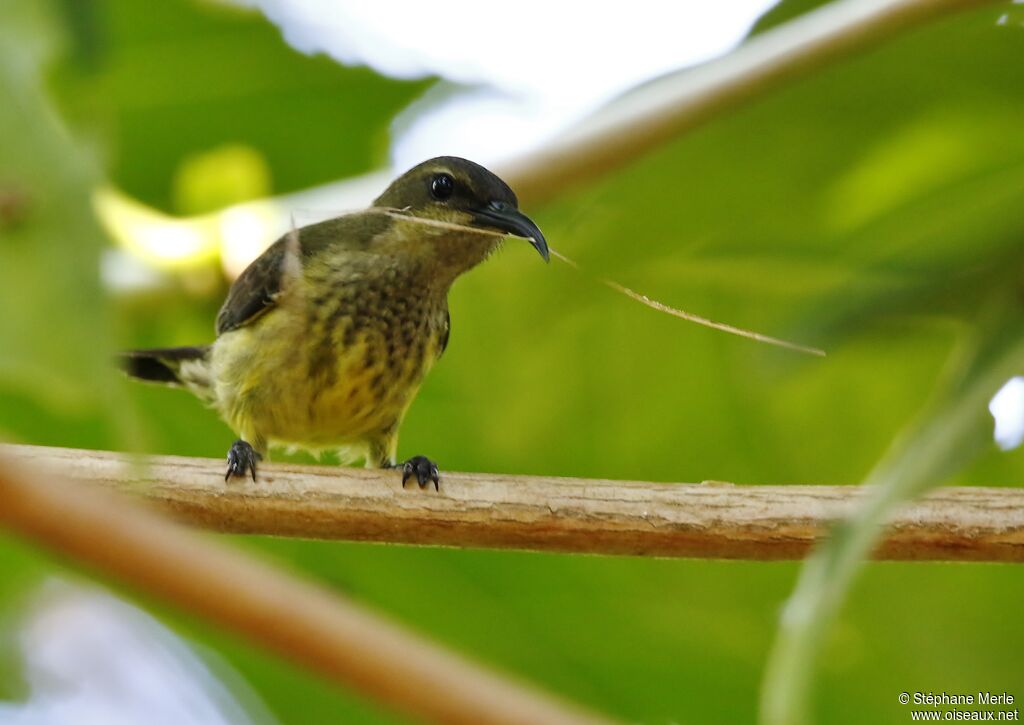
187 367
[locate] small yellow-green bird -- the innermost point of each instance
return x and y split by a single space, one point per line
324 340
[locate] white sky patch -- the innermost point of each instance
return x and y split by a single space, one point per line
1007 407
514 76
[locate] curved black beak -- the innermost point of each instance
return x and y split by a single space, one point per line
505 217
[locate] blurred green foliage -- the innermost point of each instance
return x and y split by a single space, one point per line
946 437
869 207
225 175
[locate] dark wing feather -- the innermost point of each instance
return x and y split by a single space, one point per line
257 288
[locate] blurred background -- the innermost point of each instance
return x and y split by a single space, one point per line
151 149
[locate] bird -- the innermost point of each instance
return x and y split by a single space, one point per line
323 341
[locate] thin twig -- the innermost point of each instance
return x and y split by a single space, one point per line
611 284
690 317
709 520
298 619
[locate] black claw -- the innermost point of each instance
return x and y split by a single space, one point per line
423 469
242 459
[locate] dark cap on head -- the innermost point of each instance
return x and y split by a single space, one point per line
459 185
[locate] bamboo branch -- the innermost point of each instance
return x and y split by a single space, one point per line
708 520
647 118
307 623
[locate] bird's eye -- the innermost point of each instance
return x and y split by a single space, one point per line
442 187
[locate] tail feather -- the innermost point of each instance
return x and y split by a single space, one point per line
186 366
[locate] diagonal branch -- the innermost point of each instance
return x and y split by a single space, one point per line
654 115
710 520
307 623
625 130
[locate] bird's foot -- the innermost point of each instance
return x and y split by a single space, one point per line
423 469
242 459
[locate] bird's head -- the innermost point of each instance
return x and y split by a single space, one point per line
459 192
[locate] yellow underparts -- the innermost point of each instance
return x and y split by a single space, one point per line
288 381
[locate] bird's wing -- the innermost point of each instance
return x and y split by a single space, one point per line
257 289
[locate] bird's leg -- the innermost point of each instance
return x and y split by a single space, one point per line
242 459
382 454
